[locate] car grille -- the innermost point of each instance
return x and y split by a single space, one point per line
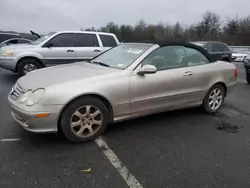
16 92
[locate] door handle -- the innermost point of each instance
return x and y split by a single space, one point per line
96 50
69 50
189 73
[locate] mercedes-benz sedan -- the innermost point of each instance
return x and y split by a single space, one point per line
127 81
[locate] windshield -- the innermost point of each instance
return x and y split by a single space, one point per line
43 38
122 56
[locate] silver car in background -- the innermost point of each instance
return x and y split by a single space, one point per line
55 48
127 81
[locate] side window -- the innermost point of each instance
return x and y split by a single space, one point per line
167 57
21 41
208 47
86 40
195 57
63 40
226 48
219 47
4 37
14 41
108 41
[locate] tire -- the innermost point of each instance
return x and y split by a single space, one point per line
248 77
84 126
27 64
205 105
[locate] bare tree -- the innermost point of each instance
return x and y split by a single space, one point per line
234 31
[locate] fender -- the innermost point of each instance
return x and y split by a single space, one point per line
30 55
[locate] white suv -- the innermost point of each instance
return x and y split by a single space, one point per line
56 48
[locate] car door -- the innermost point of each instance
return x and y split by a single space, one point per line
201 70
59 50
170 87
86 46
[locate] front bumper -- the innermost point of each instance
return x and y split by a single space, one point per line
8 63
27 117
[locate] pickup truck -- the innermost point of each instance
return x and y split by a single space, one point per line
55 48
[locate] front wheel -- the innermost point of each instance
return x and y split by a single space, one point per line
27 65
214 99
84 119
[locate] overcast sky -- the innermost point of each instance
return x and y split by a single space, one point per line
53 15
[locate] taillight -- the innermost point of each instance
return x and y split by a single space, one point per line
235 72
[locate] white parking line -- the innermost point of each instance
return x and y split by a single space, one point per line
119 166
10 140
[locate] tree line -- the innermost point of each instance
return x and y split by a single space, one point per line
233 31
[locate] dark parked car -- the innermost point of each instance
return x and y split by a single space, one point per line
15 41
15 38
217 50
6 36
247 67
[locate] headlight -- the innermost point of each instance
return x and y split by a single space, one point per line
31 98
10 53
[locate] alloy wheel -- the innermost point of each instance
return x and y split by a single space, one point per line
215 99
28 68
86 121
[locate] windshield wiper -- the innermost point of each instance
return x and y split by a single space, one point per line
100 63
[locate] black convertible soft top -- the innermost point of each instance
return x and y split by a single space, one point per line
180 43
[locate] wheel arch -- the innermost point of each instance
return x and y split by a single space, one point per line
98 96
29 57
222 84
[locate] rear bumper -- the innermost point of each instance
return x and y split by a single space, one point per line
8 63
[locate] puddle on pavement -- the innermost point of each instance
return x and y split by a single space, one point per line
227 127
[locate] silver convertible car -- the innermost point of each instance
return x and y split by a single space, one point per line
127 81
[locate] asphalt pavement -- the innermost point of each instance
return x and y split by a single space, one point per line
179 149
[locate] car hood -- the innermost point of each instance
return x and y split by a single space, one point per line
62 73
17 46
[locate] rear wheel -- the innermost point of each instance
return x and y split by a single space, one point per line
214 99
84 119
27 65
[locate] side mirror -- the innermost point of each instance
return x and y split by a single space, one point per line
48 45
147 69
